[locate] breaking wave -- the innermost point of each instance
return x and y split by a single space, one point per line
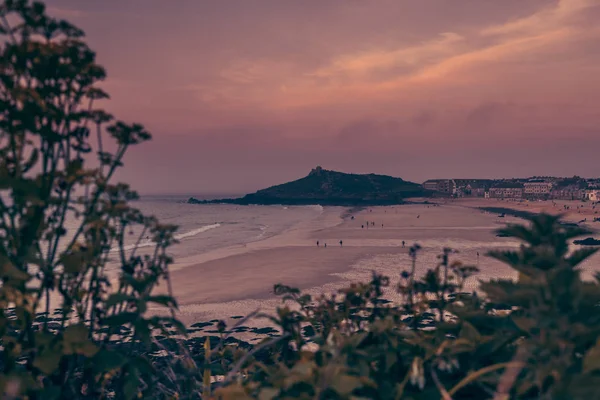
149 243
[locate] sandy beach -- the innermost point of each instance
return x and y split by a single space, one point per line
237 280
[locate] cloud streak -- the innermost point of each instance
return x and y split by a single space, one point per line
417 89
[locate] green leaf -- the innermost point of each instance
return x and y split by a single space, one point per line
131 385
525 324
118 298
469 332
87 349
48 360
346 384
591 361
268 393
51 393
75 334
121 319
8 270
73 263
165 300
107 360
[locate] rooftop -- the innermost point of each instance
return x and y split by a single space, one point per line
508 185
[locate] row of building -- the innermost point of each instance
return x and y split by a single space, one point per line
512 189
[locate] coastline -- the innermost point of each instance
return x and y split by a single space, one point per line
203 284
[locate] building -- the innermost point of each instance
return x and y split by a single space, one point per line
479 192
506 190
592 195
447 186
568 193
472 187
537 189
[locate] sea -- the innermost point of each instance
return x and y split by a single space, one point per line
203 228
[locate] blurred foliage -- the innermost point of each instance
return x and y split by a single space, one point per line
536 337
73 315
75 298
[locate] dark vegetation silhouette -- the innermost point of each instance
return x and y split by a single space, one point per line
74 315
334 188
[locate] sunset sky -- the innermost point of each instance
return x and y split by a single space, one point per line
242 94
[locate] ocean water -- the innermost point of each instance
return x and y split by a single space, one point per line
203 228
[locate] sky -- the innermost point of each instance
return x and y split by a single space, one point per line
241 95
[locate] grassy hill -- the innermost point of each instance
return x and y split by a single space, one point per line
327 187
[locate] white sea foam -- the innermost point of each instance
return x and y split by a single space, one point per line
263 231
194 232
149 243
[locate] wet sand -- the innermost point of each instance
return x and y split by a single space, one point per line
252 275
237 280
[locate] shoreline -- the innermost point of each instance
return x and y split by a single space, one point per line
237 280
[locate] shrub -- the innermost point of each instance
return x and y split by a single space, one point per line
69 329
533 338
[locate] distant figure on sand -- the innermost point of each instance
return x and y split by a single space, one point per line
325 245
362 227
341 243
403 243
317 243
418 216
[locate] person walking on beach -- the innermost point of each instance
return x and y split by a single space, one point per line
403 243
341 243
317 243
325 245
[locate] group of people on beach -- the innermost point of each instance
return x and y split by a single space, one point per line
372 224
325 244
369 224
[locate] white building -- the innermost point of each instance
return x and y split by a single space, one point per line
592 195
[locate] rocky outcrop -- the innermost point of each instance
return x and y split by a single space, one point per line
587 242
332 188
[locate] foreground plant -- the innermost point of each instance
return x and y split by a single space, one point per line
73 300
533 338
